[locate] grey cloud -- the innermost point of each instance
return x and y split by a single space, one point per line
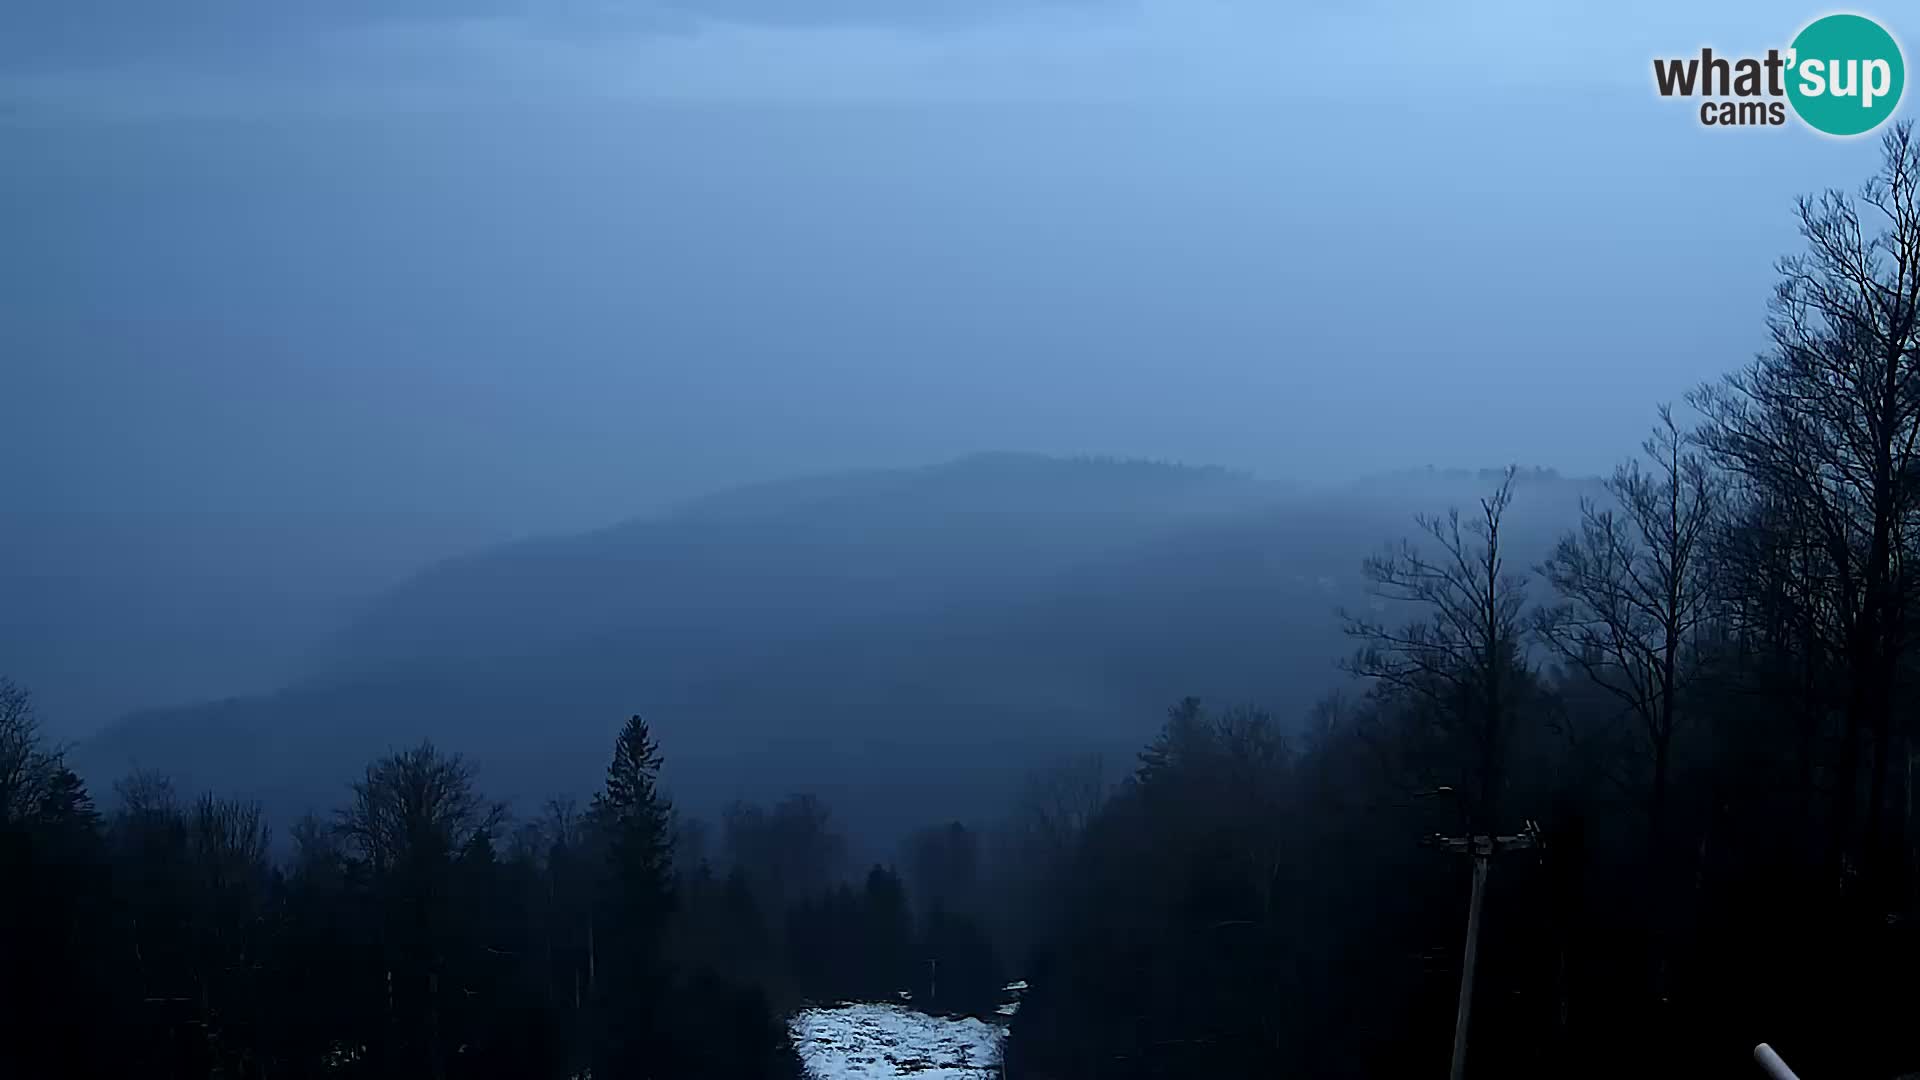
63 33
874 12
54 34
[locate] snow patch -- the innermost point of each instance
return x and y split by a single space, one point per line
889 1042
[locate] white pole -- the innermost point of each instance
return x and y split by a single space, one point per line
1771 1064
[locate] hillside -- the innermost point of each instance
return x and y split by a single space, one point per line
987 612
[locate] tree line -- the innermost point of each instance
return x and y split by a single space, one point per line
418 931
1699 704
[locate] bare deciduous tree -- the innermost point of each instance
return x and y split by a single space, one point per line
416 807
145 797
1458 660
28 768
1635 588
1056 803
1828 421
229 840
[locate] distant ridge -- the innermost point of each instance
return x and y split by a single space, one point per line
997 607
995 474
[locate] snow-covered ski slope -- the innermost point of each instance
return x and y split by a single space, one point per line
890 1042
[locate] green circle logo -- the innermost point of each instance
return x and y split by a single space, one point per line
1845 74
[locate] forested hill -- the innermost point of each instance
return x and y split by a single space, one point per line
889 639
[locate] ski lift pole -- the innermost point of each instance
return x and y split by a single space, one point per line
1467 962
1481 848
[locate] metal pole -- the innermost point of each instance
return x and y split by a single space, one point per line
1480 863
1771 1064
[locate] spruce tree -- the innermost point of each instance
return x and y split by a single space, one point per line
633 821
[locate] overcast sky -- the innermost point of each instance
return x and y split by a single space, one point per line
300 295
